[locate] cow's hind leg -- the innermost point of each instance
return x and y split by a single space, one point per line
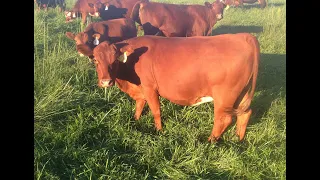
242 122
224 100
243 118
222 120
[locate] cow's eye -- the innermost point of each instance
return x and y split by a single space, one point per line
95 61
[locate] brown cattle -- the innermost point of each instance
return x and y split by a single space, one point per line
44 4
177 20
113 9
112 31
236 3
187 71
82 8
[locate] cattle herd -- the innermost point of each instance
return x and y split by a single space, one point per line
175 59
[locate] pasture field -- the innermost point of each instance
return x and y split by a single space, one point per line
82 131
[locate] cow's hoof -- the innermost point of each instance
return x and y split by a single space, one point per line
212 139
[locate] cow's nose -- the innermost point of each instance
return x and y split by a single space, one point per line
106 82
219 16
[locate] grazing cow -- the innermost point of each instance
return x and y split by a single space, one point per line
177 20
112 31
236 3
44 4
185 70
82 8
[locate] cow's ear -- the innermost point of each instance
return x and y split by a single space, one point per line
91 5
208 5
96 36
125 52
70 35
85 50
127 49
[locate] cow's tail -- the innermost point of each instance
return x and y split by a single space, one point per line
135 13
247 95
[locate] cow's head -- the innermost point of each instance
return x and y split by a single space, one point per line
70 15
217 7
106 58
88 39
93 10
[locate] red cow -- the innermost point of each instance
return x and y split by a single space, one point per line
187 71
82 8
177 19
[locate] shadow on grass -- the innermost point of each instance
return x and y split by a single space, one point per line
98 143
225 29
271 84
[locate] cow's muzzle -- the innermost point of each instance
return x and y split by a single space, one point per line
106 83
96 14
219 16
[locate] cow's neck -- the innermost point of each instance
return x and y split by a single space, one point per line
211 20
126 74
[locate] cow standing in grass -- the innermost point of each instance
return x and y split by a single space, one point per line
83 9
185 70
177 20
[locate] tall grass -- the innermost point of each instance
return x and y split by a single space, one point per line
82 133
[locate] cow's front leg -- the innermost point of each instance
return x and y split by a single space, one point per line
83 18
139 107
152 98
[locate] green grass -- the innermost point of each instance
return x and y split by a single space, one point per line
83 132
